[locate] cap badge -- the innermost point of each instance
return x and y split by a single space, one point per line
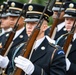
30 8
2 6
13 4
43 48
71 5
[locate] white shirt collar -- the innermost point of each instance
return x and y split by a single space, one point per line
8 30
74 37
38 42
60 26
18 32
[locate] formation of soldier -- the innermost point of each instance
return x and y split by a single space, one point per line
26 46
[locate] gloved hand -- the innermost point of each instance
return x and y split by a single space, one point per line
4 61
68 63
24 64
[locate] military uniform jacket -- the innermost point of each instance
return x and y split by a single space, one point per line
59 33
71 56
20 39
43 62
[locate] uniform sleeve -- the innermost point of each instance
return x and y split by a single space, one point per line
58 65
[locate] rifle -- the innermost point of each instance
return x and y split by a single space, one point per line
28 47
55 23
67 45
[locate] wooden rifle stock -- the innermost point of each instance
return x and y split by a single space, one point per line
55 23
67 42
8 43
69 38
31 40
53 27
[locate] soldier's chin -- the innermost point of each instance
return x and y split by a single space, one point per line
68 30
28 34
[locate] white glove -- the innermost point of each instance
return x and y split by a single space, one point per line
68 63
4 61
24 64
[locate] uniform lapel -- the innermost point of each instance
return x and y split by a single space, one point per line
59 33
21 38
40 51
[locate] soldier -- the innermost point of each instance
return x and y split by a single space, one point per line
5 22
14 11
59 8
70 17
40 61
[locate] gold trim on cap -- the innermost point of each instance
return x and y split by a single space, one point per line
58 2
71 9
37 13
15 8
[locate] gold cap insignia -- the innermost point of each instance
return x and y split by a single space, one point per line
30 8
71 5
2 6
13 4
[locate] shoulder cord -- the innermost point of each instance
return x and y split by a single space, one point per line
53 55
18 47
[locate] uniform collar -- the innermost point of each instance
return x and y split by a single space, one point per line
60 26
18 32
74 37
38 42
8 30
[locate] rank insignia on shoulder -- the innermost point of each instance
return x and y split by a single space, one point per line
61 52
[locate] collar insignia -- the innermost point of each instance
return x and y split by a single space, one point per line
42 48
21 36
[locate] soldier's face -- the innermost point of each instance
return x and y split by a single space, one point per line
30 27
13 20
5 23
69 23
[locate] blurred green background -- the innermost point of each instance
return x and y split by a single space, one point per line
43 2
33 1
